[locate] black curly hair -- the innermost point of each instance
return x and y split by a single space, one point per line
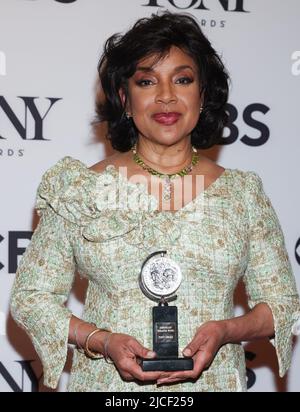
155 35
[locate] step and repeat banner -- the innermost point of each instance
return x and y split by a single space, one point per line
49 50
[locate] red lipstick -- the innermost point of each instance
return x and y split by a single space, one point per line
166 118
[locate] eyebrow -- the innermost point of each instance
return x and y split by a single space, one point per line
176 70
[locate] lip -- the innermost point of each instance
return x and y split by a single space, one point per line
166 118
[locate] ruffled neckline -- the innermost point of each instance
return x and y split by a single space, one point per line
84 197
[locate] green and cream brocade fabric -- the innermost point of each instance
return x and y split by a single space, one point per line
228 232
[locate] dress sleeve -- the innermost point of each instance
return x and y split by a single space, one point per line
43 281
268 277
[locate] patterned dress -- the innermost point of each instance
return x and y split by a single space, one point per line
228 232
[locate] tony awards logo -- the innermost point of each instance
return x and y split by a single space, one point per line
160 277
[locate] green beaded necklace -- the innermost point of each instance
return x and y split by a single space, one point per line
166 177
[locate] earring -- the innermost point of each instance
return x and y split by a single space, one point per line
201 109
127 115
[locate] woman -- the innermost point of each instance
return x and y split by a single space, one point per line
165 95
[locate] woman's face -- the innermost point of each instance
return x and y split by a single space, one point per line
164 97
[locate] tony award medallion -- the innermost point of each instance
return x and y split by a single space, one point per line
160 277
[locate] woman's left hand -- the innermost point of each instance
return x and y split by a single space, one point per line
208 339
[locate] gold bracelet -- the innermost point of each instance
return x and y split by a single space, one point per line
87 351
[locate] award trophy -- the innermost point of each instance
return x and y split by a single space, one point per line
160 277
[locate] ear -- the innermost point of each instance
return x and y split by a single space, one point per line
124 99
122 95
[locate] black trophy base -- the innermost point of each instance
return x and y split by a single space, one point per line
170 364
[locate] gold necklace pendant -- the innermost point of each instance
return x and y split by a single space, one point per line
166 179
167 188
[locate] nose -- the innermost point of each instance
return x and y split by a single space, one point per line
166 93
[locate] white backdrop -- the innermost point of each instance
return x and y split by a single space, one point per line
49 51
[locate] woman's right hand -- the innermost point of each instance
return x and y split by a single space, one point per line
125 351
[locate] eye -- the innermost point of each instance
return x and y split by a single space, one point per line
184 80
144 82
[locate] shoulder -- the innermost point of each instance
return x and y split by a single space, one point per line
241 180
68 188
245 180
61 174
248 186
65 165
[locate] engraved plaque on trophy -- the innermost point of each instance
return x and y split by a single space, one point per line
160 277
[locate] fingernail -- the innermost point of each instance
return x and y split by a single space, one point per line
187 352
150 354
